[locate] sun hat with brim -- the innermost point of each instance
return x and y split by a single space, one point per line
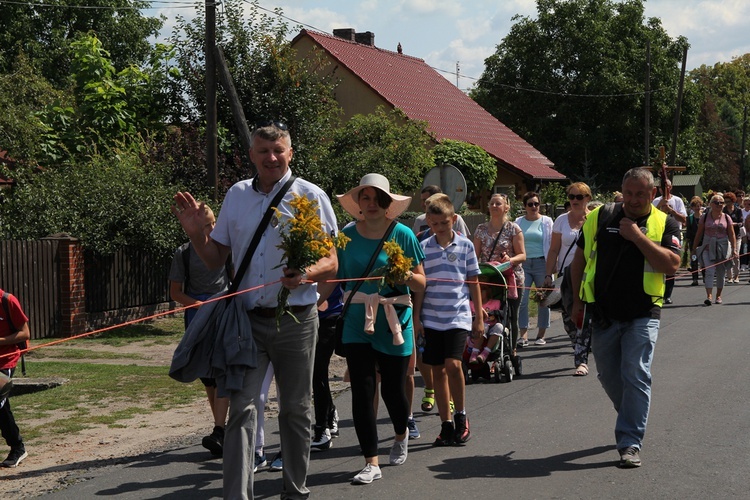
350 200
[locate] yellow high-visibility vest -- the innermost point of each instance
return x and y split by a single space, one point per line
654 283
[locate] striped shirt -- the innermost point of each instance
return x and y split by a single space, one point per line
446 296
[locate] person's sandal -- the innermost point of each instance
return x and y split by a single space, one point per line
581 370
428 401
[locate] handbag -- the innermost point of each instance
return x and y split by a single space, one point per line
562 285
219 343
339 349
508 274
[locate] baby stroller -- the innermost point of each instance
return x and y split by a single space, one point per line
501 364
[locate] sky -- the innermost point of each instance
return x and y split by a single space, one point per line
449 32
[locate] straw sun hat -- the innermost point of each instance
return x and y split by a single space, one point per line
350 200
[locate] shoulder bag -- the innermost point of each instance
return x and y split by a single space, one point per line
218 343
339 349
509 274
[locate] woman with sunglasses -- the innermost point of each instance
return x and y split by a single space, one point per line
565 233
716 232
500 240
537 234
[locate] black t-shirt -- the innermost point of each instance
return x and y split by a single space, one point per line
618 284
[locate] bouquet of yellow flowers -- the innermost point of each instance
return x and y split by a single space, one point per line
304 243
397 269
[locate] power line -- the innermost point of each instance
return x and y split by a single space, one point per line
174 3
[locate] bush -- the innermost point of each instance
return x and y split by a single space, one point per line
107 203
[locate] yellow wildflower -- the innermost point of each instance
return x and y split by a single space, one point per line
303 241
397 268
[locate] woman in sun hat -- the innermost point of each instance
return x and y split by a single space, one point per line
373 347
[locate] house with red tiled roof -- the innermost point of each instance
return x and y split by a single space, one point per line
369 77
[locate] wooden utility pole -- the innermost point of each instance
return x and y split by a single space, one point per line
647 106
673 153
211 121
234 105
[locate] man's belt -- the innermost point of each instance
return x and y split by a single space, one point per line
270 312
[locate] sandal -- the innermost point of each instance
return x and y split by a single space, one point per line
581 370
428 401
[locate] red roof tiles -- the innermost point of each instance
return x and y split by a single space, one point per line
409 84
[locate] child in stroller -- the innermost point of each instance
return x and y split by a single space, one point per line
489 355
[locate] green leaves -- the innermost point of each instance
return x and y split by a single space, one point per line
108 203
383 142
477 166
571 82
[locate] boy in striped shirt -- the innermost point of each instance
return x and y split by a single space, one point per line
442 314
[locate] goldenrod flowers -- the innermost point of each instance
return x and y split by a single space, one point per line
304 242
398 267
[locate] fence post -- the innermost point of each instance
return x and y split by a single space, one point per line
72 288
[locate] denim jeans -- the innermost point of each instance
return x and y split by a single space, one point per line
534 271
623 352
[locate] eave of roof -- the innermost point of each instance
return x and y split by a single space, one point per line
409 84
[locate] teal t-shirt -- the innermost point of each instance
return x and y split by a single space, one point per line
352 263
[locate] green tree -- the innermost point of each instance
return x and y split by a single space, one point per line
571 82
724 94
107 202
477 166
272 83
44 31
384 142
106 107
22 94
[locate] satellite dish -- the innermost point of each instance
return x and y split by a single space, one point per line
451 182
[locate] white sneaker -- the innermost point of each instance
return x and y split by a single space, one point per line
369 474
399 451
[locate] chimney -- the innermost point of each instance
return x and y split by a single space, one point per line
345 33
366 38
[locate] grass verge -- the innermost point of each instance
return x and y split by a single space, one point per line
101 394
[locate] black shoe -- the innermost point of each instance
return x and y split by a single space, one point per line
214 442
694 283
333 422
322 439
15 457
463 433
446 435
668 301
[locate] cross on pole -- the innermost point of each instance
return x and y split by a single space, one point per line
662 168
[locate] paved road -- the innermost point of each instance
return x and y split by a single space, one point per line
545 435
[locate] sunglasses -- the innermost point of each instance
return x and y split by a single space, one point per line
717 202
532 204
268 123
578 197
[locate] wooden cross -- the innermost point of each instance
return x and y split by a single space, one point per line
663 167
